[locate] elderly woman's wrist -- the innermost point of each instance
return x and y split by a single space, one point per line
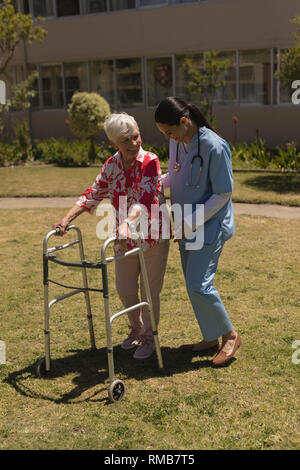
65 221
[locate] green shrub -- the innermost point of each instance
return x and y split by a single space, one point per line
254 155
104 151
62 152
259 153
3 154
161 151
11 154
240 155
17 149
288 158
87 113
22 142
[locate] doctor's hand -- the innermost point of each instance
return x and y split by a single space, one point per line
179 233
177 240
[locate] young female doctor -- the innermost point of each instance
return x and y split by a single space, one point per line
200 174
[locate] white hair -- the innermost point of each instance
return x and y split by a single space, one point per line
116 125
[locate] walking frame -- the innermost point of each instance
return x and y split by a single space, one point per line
116 388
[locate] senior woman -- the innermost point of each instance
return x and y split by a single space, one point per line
133 175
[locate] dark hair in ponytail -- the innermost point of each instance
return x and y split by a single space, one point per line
172 109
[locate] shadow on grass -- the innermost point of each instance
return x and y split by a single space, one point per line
91 367
279 183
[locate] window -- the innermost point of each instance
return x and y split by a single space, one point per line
19 74
146 3
43 8
75 79
182 78
159 80
284 93
52 89
35 102
121 4
15 4
227 93
8 78
255 76
25 7
67 7
102 79
129 82
223 95
95 6
183 1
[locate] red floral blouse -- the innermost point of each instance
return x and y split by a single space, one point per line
139 185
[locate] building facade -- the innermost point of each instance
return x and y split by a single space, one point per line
132 53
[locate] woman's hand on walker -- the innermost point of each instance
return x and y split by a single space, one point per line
123 231
123 235
60 227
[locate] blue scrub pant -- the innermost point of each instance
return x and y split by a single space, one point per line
199 268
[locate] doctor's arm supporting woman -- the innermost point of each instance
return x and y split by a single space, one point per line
200 174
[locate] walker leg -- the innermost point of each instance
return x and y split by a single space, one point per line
87 295
151 314
46 316
110 358
116 388
89 317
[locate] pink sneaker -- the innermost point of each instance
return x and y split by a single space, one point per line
133 339
145 349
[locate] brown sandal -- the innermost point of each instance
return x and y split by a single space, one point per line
222 358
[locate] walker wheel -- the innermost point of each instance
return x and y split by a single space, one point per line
40 368
116 390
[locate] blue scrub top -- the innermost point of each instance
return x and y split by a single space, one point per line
215 178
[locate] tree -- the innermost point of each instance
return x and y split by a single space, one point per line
87 113
21 97
205 79
16 27
290 59
23 93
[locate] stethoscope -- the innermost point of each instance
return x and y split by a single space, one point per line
177 165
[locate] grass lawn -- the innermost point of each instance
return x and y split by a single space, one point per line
253 403
276 188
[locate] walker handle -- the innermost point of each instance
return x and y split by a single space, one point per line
58 229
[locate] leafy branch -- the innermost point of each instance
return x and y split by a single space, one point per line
205 78
14 28
290 59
